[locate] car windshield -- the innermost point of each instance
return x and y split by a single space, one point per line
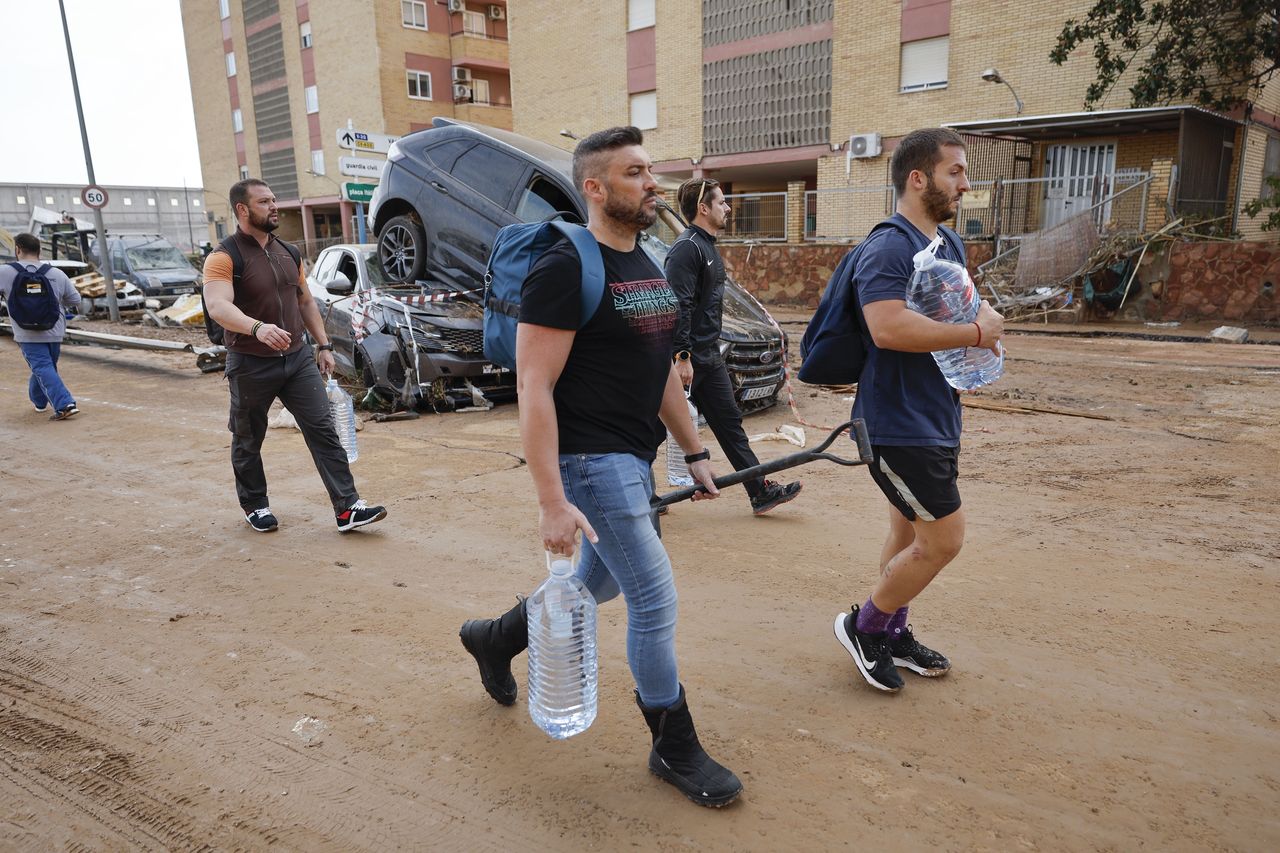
374 270
156 256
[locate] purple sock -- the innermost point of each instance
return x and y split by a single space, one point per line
897 623
871 620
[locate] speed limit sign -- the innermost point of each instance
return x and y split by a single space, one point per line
94 196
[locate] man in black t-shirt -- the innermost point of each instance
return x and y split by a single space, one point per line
594 396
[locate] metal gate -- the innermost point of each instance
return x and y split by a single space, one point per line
1072 173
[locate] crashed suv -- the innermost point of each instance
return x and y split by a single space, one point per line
446 191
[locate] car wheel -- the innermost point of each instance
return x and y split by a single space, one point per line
402 249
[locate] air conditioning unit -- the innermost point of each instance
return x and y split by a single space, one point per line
457 5
496 12
461 92
863 145
461 74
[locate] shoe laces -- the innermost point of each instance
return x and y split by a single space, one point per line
360 504
261 513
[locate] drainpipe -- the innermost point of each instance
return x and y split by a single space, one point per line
1244 143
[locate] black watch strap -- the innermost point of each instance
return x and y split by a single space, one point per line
328 347
691 458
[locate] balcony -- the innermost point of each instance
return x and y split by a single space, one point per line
490 51
493 115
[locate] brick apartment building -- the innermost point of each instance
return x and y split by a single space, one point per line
804 100
273 81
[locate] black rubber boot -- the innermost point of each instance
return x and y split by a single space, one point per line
493 643
679 758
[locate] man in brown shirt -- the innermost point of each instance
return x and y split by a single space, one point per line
263 313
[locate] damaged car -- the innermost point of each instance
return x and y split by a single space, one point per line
415 344
445 191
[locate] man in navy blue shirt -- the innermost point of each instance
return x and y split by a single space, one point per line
912 414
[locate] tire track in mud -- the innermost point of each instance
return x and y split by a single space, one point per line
108 747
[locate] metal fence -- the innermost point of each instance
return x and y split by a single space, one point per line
757 216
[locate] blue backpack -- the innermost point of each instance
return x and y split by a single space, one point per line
515 250
834 347
33 304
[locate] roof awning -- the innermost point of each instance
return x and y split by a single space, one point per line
1099 123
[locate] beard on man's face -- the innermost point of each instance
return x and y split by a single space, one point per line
639 216
938 204
263 223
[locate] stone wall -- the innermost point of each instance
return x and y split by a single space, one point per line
1232 282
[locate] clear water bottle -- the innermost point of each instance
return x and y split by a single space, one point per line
677 471
942 290
562 652
344 417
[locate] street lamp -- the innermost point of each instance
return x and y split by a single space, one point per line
991 75
568 134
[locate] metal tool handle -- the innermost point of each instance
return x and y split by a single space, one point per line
856 428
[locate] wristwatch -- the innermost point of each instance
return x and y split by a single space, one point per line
323 347
683 355
691 458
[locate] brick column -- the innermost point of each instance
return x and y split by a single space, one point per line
1158 193
795 211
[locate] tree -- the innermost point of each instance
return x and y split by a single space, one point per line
1269 202
1212 53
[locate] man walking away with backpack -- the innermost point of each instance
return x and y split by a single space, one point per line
912 414
254 290
37 296
696 272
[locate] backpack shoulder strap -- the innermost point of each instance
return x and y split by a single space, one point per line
17 266
291 249
43 270
954 241
229 246
592 265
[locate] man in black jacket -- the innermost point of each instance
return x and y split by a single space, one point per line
696 273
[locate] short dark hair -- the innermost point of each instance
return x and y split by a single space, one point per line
240 191
691 192
586 157
920 150
28 244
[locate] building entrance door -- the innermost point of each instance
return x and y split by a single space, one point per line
1070 171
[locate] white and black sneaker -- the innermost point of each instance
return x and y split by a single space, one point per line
261 520
358 515
908 652
869 651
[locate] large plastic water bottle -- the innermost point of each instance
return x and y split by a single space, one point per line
562 652
677 471
943 291
344 417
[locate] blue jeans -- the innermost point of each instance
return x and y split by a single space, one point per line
45 385
612 490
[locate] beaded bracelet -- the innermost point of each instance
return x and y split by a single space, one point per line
254 331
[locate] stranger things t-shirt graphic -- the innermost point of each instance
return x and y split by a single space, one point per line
609 392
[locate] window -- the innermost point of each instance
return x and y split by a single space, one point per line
48 199
419 85
231 64
473 24
1270 169
224 9
22 199
644 110
151 202
414 14
317 162
924 64
479 91
312 97
540 200
488 172
195 202
128 201
173 202
304 34
237 121
244 176
640 14
75 200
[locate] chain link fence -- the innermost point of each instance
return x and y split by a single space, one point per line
757 216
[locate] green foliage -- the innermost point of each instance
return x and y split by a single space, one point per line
1270 202
1212 53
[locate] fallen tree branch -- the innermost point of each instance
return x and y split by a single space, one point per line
977 403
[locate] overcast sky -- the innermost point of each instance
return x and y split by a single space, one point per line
132 66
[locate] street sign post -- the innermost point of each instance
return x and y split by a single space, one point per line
360 193
360 167
94 196
358 140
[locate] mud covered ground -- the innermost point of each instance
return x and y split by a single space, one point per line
171 680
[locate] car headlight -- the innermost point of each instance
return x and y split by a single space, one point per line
423 335
155 282
724 346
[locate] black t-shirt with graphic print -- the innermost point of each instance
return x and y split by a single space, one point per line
609 393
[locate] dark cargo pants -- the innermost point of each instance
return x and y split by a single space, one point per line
712 393
255 383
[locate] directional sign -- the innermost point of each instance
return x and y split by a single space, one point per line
360 167
94 196
358 140
361 193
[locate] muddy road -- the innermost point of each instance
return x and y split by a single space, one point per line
170 679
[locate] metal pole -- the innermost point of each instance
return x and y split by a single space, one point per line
360 222
191 235
104 251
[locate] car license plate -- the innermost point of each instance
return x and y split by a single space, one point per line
758 393
493 368
184 290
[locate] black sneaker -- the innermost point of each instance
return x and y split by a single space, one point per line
870 652
919 659
64 413
358 515
774 495
261 520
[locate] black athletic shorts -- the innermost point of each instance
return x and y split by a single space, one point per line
919 481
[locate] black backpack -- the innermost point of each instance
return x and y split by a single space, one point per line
33 304
215 332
